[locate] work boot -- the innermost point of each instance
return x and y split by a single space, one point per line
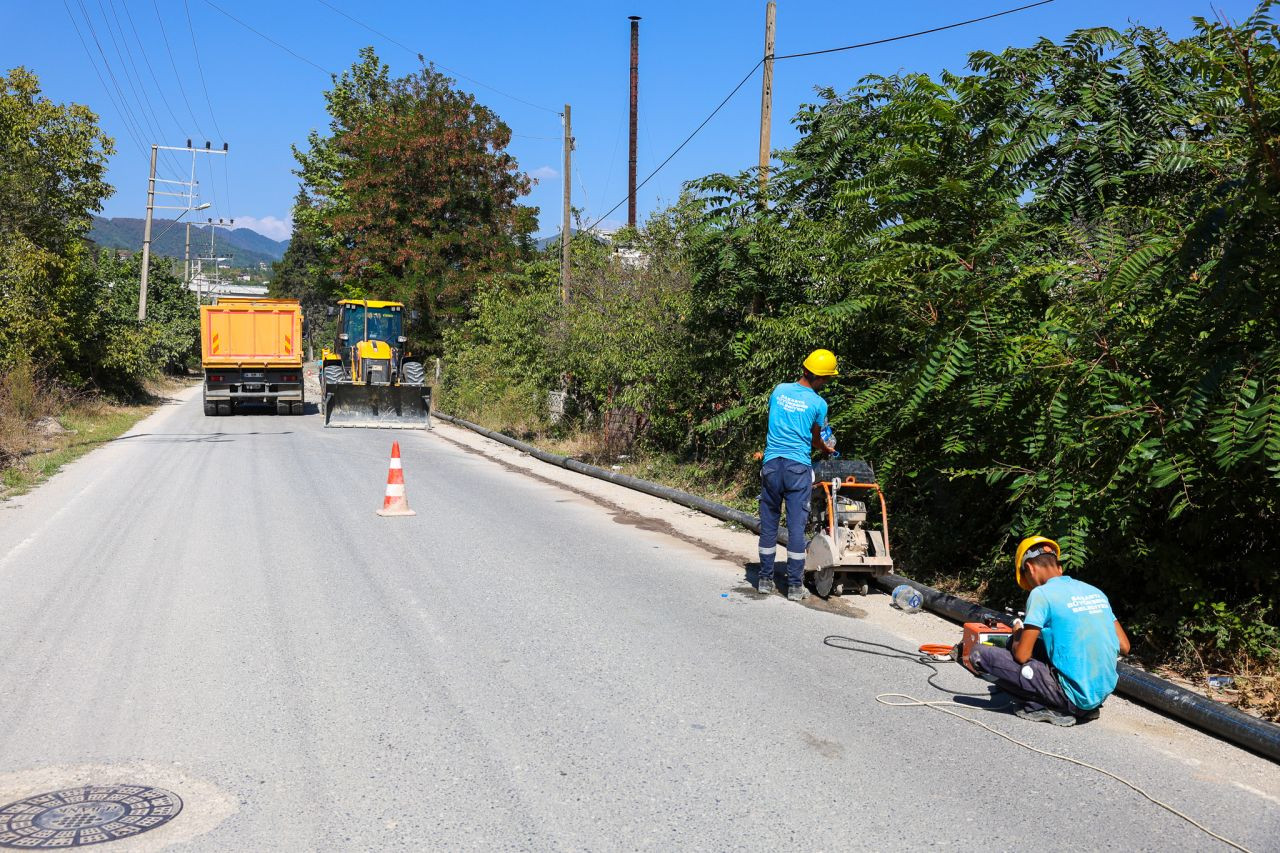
765 586
1047 715
797 592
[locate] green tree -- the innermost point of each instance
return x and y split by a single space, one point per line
52 161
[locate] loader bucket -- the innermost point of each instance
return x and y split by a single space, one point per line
377 406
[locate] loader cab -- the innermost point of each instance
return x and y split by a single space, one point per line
370 340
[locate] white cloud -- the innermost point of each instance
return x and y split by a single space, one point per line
544 173
268 226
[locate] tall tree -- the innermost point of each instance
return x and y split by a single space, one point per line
431 196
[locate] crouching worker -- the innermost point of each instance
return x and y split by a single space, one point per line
1062 662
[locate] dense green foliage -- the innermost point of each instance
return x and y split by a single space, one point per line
411 196
66 315
1053 287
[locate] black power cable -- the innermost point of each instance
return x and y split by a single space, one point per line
835 641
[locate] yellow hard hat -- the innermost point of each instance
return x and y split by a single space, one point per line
821 362
1026 545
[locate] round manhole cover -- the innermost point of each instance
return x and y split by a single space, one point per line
79 816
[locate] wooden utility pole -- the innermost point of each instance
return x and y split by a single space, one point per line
635 95
564 223
766 99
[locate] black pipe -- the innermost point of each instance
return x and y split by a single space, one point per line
1214 717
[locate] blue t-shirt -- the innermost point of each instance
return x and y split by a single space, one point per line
1078 628
793 410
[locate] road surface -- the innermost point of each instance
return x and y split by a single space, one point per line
211 606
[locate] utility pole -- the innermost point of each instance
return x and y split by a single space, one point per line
766 99
152 192
564 225
186 263
635 93
146 238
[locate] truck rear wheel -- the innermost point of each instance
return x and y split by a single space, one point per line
224 409
282 407
210 409
297 408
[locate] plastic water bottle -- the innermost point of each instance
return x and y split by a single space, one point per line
907 598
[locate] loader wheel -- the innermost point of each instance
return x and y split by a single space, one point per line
334 373
414 373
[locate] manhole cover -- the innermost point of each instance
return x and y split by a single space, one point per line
79 816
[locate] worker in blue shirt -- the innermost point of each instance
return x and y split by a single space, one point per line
1068 676
796 418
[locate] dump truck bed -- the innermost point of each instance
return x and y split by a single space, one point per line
257 332
251 350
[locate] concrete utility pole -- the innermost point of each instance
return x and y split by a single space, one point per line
635 96
564 224
766 99
189 195
146 238
186 262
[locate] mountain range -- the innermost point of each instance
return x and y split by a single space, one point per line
247 248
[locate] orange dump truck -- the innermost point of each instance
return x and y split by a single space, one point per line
251 350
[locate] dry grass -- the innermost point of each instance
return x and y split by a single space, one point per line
30 453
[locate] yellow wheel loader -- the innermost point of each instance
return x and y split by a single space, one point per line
368 379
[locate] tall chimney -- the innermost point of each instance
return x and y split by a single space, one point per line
635 93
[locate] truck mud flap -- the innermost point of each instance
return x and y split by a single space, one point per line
377 406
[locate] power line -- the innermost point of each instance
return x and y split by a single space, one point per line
418 54
681 146
760 62
266 37
134 79
915 34
196 48
126 112
154 79
94 65
177 76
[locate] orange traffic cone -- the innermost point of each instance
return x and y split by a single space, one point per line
395 502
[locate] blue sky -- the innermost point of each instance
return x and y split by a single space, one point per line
261 98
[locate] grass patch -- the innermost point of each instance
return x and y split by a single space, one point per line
32 453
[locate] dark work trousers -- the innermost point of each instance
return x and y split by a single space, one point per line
1033 681
789 483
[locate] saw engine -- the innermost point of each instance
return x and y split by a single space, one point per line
845 548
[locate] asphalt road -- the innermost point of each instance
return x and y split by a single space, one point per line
212 606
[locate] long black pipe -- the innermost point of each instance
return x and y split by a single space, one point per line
1214 717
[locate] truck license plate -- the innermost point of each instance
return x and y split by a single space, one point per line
253 376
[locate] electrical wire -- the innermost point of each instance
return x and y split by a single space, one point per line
173 64
681 146
126 112
913 35
945 705
796 56
94 65
186 4
266 37
165 158
418 53
903 700
147 61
